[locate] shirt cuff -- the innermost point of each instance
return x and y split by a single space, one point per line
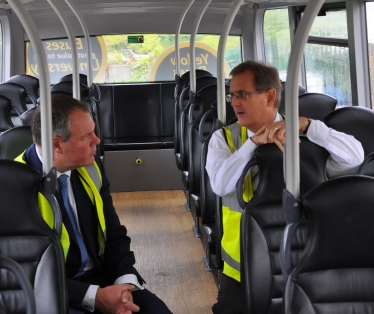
129 278
88 302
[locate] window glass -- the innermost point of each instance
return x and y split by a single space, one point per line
370 31
277 40
328 72
333 24
154 59
135 58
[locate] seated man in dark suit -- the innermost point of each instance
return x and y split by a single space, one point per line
101 277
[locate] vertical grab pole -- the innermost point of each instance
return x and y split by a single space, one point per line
87 39
221 103
291 195
192 45
177 33
73 45
45 91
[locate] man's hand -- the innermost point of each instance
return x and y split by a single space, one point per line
116 299
271 133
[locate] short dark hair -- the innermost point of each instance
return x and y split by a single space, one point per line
62 107
265 77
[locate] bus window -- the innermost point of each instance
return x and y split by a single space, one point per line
327 63
153 59
277 40
370 32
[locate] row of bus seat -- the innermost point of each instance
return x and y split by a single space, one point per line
312 105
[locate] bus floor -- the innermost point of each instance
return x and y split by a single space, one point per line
168 256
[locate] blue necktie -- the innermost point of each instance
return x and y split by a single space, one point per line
65 196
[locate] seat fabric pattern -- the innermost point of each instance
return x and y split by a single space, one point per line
336 272
14 141
28 240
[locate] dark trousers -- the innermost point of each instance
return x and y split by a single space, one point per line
148 302
229 297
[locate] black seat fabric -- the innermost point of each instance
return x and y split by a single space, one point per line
282 106
27 239
26 117
336 272
69 78
5 114
67 86
14 141
30 83
315 105
263 222
17 95
356 121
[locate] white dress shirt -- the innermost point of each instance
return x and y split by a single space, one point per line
225 168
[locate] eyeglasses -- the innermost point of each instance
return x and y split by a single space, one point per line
240 95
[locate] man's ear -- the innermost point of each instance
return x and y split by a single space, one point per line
271 94
57 141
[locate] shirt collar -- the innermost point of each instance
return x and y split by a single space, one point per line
278 117
68 173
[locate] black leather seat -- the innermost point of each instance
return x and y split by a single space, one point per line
356 121
336 272
14 141
17 95
282 105
182 82
315 105
26 238
69 78
67 86
263 222
18 272
26 117
5 114
31 84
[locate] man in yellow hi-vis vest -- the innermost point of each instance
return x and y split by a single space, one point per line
101 277
255 93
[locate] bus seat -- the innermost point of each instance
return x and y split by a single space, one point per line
6 122
356 121
282 106
31 84
27 239
263 222
336 272
14 141
182 83
17 95
69 78
201 104
67 86
316 105
12 266
26 117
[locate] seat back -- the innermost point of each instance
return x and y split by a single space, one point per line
282 106
26 117
67 86
316 105
14 141
31 84
356 121
17 95
336 273
69 78
182 83
263 222
27 239
5 114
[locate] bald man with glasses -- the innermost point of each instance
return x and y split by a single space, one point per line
255 94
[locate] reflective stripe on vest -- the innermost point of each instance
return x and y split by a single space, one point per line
91 179
231 210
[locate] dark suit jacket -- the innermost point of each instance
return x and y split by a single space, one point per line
118 259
